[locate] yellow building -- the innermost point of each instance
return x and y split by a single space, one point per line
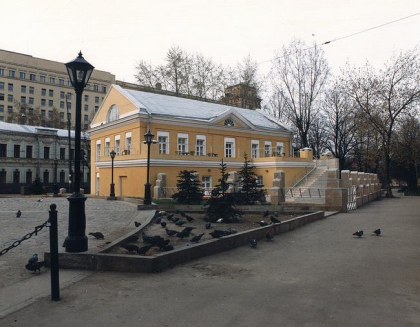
190 134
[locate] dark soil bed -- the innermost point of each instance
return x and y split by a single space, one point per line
247 222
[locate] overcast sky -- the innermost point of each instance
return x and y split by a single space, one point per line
114 35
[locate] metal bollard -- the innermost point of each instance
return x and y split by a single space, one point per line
55 283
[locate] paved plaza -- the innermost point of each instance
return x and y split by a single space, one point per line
317 275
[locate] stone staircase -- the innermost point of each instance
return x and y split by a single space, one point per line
311 188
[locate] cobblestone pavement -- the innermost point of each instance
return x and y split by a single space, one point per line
112 218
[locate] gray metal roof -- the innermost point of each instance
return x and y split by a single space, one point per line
17 128
178 107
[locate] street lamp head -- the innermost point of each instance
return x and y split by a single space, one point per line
112 154
79 71
148 137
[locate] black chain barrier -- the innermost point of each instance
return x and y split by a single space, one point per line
26 237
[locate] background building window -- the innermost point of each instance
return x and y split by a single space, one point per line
3 150
10 87
28 177
16 151
46 152
182 144
254 149
12 73
46 176
22 75
23 89
229 147
42 79
32 77
31 90
62 153
51 93
16 177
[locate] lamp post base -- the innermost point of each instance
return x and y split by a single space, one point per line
76 241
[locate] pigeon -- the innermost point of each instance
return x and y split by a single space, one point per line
175 220
358 233
41 199
144 249
220 220
218 233
36 266
169 217
137 224
253 243
208 225
266 214
189 228
196 238
18 214
130 247
132 239
171 232
189 218
184 233
168 247
98 235
262 223
182 213
268 237
274 220
162 213
162 243
163 224
377 232
158 220
180 222
33 259
230 231
276 214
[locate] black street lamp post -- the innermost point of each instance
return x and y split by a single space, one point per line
79 71
148 137
112 192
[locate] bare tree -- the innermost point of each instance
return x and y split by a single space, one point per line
385 96
299 75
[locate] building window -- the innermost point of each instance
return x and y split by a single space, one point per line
1 85
43 102
43 92
16 177
32 77
50 103
10 98
182 143
31 90
96 99
279 149
260 182
69 105
69 83
68 95
1 72
22 75
50 93
95 87
128 143
98 151
62 95
200 147
229 122
16 151
50 114
62 116
10 87
86 107
1 108
3 150
206 184
31 100
28 177
267 149
254 149
1 118
117 145
107 144
86 97
87 86
62 153
103 89
96 109
229 147
1 96
52 80
62 177
46 176
163 141
23 89
9 109
61 104
22 100
46 152
2 176
112 114
85 118
42 79
61 81
12 73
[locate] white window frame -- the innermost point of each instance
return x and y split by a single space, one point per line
107 146
280 149
163 146
128 143
182 148
207 185
117 144
269 152
98 150
255 152
200 149
229 151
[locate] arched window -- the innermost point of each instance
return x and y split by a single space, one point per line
229 122
112 114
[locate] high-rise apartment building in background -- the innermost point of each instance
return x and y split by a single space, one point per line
35 91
